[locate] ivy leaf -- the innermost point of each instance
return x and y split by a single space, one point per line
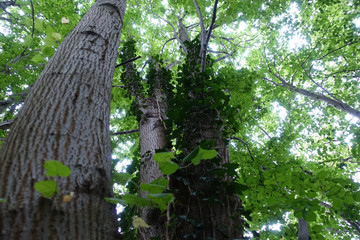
115 201
155 187
121 178
162 200
199 154
55 168
165 164
47 188
138 222
132 200
152 188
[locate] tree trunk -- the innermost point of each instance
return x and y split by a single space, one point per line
66 118
203 207
152 138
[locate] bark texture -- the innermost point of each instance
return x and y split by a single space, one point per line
66 118
204 208
152 137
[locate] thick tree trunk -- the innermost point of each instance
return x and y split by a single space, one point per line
66 118
203 206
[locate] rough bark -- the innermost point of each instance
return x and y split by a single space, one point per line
66 118
203 206
152 138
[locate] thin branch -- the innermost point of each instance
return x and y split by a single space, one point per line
317 84
161 52
264 131
225 56
6 19
125 132
337 104
337 49
203 59
6 124
333 102
130 60
174 31
201 22
246 145
33 18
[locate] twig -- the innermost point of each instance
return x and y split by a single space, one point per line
6 124
130 60
125 132
203 59
246 145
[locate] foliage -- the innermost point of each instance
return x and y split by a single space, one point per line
48 188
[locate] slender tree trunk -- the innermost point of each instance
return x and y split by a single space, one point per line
152 138
66 118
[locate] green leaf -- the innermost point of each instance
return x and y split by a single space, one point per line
338 203
55 168
115 201
156 186
47 188
310 216
56 36
37 58
49 41
28 40
162 200
163 156
132 199
152 188
121 178
199 154
2 200
39 25
48 51
357 196
165 164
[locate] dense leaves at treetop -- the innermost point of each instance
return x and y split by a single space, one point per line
284 85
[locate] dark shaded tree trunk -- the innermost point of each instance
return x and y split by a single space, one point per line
204 207
66 118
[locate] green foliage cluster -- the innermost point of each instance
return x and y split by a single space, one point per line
199 96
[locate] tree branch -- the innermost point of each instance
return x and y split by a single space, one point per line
130 60
6 124
203 59
246 145
125 132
